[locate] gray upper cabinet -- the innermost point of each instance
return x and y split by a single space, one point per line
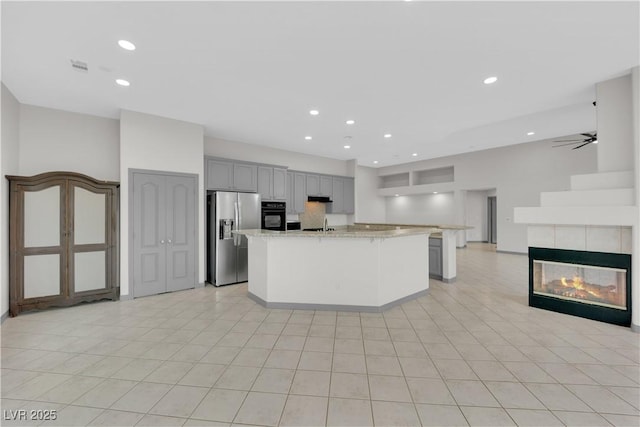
349 196
299 192
313 185
290 209
338 195
224 175
319 185
219 175
265 182
326 186
245 177
272 183
343 195
279 184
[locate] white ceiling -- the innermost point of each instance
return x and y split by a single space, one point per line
251 71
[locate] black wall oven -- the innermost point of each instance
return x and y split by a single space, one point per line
274 216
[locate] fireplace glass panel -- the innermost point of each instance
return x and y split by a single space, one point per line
603 286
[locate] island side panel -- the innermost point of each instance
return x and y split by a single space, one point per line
258 257
333 271
404 266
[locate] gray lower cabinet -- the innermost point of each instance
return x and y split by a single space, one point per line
272 183
223 175
163 233
435 258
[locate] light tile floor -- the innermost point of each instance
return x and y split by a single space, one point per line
468 353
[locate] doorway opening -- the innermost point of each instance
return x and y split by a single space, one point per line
492 219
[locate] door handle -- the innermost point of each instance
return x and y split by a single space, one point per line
235 223
169 241
162 242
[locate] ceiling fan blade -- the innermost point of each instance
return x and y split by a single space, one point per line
589 135
570 143
569 140
575 148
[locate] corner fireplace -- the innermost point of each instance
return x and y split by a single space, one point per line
594 285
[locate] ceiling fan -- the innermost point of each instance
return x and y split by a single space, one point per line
589 138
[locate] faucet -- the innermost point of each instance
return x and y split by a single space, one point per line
325 227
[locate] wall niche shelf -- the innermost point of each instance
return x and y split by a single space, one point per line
395 180
433 176
421 181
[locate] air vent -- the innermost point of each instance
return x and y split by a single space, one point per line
79 66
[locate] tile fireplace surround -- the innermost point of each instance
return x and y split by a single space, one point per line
594 285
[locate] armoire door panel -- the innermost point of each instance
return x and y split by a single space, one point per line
42 217
149 238
41 275
89 216
90 271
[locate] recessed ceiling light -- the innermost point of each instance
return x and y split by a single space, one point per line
435 192
530 133
347 147
126 45
490 80
375 162
387 135
396 195
595 142
308 138
314 112
122 82
350 122
414 154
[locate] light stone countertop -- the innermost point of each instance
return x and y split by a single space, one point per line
439 226
341 232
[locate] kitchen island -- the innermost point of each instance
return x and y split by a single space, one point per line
447 245
349 268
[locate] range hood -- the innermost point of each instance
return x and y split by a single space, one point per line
321 199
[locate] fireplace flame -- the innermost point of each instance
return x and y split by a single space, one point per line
578 283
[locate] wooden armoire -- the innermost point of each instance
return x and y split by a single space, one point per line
63 240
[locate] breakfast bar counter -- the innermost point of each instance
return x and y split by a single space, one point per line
348 268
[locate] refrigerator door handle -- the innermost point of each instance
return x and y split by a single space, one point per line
237 215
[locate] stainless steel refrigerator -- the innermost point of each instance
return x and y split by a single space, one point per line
228 252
